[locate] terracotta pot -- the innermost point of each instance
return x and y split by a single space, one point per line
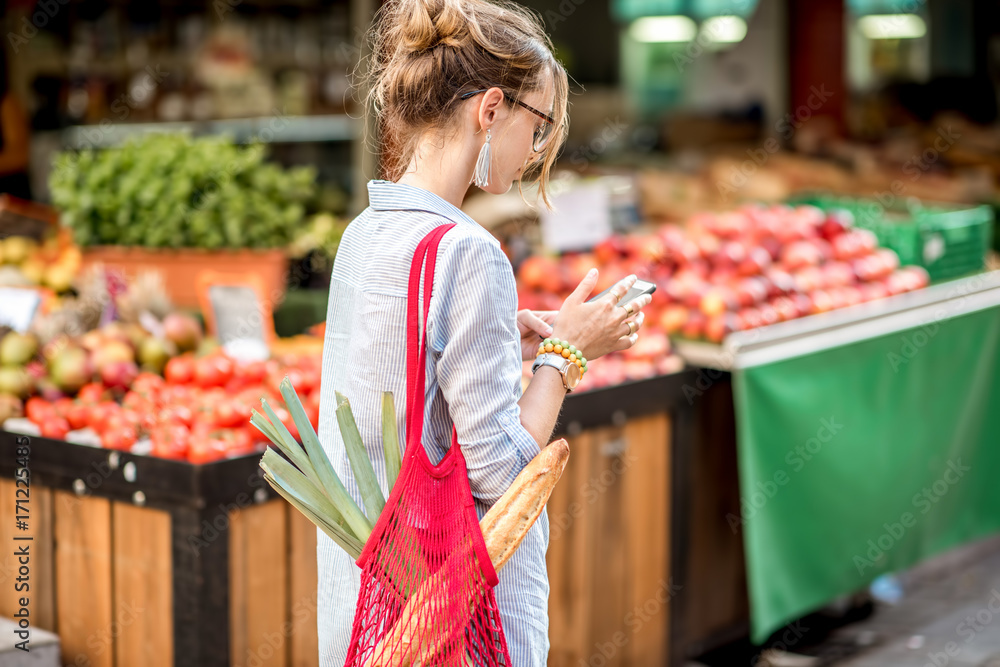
180 267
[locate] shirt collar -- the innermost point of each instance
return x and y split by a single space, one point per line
389 196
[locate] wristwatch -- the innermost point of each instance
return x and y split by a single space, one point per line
570 371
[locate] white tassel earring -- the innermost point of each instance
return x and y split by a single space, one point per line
481 174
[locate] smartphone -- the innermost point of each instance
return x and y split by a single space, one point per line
638 289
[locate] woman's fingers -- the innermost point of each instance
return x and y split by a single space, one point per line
634 306
621 288
633 325
586 286
533 322
625 342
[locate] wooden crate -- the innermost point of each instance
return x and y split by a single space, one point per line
180 268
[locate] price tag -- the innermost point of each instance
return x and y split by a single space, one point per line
18 306
237 314
581 219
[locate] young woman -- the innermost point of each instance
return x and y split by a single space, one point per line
449 78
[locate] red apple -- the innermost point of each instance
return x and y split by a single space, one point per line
800 254
838 274
673 318
803 303
708 245
771 245
821 301
757 261
719 326
781 281
768 314
717 300
834 225
695 325
918 276
750 291
809 279
731 252
748 318
873 291
785 307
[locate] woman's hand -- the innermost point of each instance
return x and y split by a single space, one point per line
534 325
604 325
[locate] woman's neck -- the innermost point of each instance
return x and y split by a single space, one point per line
442 169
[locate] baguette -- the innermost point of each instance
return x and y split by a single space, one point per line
504 527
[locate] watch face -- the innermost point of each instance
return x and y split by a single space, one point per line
572 375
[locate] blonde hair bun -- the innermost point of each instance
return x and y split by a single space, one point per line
414 87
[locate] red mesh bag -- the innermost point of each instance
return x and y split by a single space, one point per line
426 578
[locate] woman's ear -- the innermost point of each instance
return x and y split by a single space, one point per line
490 107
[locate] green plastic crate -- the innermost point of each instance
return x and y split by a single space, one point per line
947 240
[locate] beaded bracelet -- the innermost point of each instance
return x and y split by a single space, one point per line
561 347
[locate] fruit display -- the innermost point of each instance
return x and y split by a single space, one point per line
53 263
198 412
545 282
173 191
725 272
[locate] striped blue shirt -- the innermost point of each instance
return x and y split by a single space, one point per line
473 380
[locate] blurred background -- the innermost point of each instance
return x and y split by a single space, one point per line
794 465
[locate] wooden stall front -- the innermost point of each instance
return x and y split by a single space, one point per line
141 561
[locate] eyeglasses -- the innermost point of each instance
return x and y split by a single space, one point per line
542 134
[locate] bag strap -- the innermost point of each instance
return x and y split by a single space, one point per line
416 331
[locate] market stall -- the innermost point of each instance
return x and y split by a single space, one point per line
894 410
207 551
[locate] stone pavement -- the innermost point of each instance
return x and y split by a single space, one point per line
949 615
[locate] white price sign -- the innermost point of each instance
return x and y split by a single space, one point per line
581 219
17 307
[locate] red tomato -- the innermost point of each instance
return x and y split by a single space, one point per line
62 406
179 370
176 414
78 415
207 450
100 413
252 372
54 427
147 382
213 371
38 410
119 438
94 392
229 413
170 441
